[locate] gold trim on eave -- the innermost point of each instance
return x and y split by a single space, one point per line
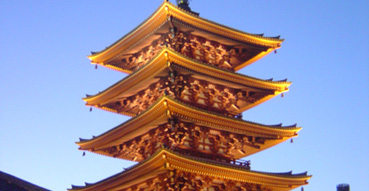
160 16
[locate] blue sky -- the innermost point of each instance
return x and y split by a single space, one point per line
45 73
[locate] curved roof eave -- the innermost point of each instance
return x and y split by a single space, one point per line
157 64
169 160
162 14
176 106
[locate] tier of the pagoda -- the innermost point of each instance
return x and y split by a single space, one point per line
188 80
189 34
173 124
168 170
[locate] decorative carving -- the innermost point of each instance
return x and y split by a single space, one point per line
177 180
196 47
187 138
200 93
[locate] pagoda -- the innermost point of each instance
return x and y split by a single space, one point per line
186 102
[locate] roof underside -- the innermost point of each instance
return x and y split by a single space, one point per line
167 108
165 161
167 61
168 16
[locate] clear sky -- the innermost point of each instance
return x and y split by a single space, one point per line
44 74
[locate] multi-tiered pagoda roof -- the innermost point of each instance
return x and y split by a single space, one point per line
186 102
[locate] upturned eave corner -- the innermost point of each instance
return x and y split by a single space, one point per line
161 15
186 101
157 114
162 61
165 161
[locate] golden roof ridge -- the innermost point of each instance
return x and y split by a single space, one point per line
270 42
284 81
167 50
155 104
127 34
277 38
238 167
167 154
126 77
126 170
276 126
163 98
